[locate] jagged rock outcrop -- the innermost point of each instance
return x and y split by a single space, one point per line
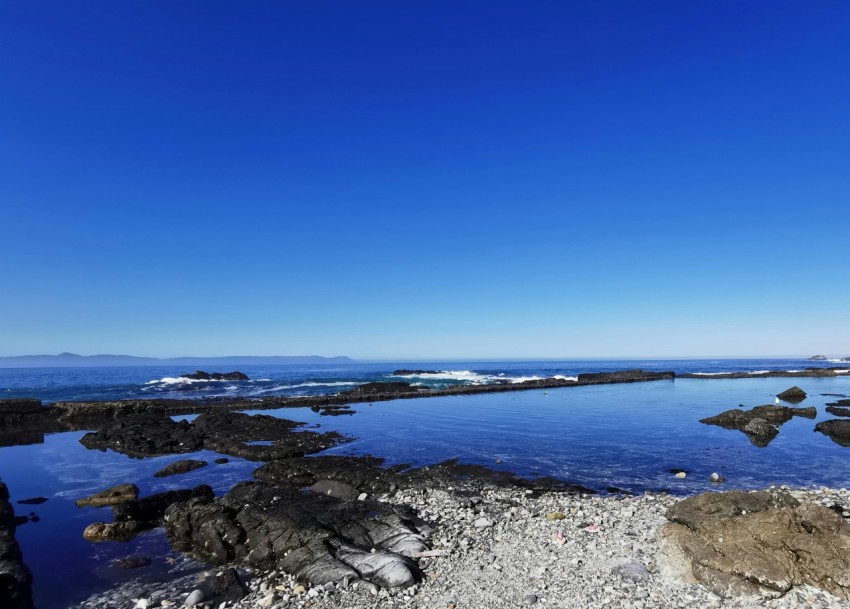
759 422
15 577
760 543
318 538
793 395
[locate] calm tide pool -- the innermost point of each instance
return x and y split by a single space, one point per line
627 436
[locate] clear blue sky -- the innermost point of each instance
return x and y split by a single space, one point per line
425 179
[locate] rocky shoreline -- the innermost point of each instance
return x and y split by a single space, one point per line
499 546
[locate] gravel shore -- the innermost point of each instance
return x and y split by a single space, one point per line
508 547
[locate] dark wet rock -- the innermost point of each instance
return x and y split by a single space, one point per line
152 507
760 543
115 531
624 376
416 372
366 474
145 436
758 422
335 488
840 403
223 586
111 496
793 395
19 410
15 577
760 432
818 358
807 373
32 501
130 562
318 538
380 388
837 430
838 411
134 517
180 467
222 460
230 433
200 375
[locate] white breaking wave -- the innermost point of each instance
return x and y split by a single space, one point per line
307 384
474 378
710 373
168 380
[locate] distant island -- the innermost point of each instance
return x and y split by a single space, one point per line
73 360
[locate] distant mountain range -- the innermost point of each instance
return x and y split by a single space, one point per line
74 360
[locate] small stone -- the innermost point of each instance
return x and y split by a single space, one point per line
362 497
194 598
298 590
267 600
482 523
716 478
142 603
682 475
529 599
555 516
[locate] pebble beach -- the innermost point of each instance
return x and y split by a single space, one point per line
505 547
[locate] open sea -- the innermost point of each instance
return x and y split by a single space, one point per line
628 436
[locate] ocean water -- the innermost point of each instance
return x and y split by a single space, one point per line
628 436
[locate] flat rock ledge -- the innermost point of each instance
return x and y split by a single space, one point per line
761 543
253 437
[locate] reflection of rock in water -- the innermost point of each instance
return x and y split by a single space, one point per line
837 430
15 577
759 422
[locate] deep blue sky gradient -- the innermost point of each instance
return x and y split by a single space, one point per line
425 179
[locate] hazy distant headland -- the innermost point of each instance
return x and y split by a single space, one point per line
74 360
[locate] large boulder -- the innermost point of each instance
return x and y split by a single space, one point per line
316 537
761 543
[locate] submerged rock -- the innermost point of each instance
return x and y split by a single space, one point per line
180 467
111 496
760 543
